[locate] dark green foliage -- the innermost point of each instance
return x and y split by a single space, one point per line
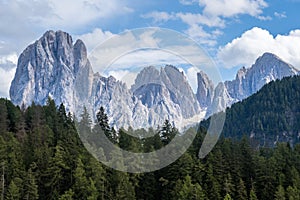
272 114
280 193
167 132
102 120
42 157
30 186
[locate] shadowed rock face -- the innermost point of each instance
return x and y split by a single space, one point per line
205 90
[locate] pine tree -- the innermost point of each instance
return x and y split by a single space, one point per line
81 182
30 186
55 176
2 183
227 197
68 195
3 116
183 189
280 193
92 190
293 193
187 190
98 176
253 194
148 187
212 186
241 190
199 193
124 189
228 186
167 132
102 120
14 190
84 126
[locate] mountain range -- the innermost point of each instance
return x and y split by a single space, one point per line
267 117
56 67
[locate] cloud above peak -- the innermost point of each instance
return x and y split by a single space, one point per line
229 8
256 41
213 15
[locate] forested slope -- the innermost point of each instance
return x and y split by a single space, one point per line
42 157
271 115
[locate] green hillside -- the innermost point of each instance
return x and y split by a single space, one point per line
270 115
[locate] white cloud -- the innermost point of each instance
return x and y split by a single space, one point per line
192 18
159 17
27 19
104 55
94 38
253 43
197 33
8 65
146 47
81 12
229 8
195 24
187 2
134 50
24 21
148 57
213 14
264 18
6 77
280 15
7 62
59 13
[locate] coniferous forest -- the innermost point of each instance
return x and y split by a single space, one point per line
42 157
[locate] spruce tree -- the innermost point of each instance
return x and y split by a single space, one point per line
280 193
241 190
102 120
81 183
252 195
14 191
227 197
30 186
68 195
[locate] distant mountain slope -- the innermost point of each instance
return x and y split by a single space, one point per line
270 115
266 68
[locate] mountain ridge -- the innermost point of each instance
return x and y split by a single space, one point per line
54 66
269 116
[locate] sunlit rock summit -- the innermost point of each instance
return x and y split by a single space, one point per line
54 66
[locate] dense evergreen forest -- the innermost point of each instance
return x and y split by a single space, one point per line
270 115
42 156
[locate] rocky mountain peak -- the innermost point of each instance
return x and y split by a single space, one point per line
266 68
272 64
241 73
147 75
205 90
48 67
54 66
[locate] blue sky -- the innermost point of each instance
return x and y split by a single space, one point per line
233 32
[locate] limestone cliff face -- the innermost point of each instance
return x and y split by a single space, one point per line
50 67
55 67
248 81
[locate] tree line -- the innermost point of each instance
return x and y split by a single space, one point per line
43 157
